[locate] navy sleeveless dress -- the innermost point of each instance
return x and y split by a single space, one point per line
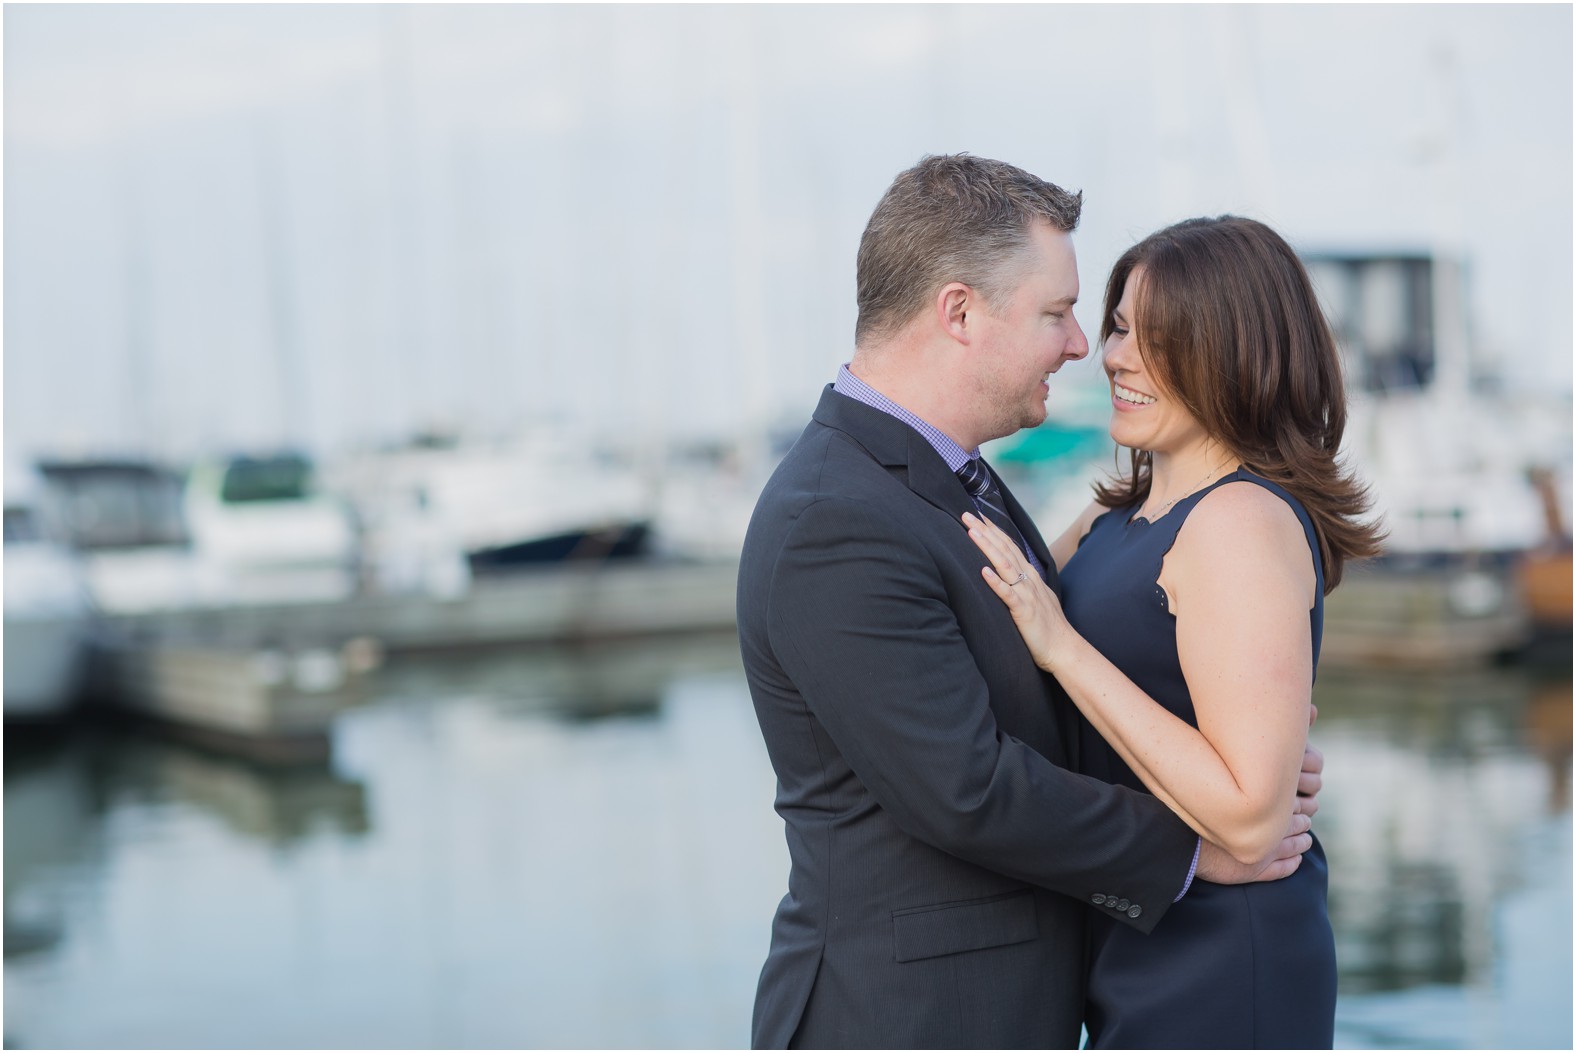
1230 966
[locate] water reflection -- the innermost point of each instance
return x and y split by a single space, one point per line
1447 800
548 849
69 799
1546 730
576 848
572 683
49 811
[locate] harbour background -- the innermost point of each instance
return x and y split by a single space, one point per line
616 244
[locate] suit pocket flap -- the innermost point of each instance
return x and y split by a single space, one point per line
948 928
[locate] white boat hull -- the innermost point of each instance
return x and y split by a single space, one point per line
44 657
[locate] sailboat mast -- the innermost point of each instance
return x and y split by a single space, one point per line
290 376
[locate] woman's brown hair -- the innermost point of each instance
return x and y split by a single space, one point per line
1228 322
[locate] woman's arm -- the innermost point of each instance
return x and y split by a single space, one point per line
1063 547
1241 581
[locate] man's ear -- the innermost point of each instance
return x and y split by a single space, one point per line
954 304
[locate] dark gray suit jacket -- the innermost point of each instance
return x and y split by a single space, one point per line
943 850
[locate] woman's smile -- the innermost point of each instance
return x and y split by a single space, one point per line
1131 397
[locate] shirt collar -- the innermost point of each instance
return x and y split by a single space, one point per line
856 389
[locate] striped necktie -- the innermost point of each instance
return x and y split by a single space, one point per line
981 485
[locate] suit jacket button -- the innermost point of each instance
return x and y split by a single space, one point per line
1098 899
1122 904
1134 911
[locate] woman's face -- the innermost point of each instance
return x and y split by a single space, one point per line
1144 413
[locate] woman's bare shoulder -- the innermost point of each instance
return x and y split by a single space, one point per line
1244 511
1245 526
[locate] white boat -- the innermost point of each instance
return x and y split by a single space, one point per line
264 532
1448 462
124 518
178 640
706 494
442 509
48 613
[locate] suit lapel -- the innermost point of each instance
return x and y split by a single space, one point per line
906 453
898 448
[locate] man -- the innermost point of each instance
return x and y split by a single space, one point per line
943 848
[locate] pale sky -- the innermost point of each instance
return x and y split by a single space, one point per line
229 226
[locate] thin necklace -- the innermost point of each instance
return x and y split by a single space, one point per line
1163 509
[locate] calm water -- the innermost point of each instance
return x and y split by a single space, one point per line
578 850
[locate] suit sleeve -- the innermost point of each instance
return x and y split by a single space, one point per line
860 620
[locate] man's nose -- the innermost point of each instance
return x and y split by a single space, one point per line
1078 346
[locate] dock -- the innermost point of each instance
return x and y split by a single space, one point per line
549 604
1424 617
267 680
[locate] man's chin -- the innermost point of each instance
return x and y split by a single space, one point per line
1032 417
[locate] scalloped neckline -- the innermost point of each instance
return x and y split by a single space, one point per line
1235 473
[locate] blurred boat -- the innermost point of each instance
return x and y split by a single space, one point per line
442 508
166 645
707 494
267 704
48 613
265 532
1447 462
125 519
1051 467
1546 583
617 539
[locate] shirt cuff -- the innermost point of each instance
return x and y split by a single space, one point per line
1190 871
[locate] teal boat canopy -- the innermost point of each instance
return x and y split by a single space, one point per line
1051 442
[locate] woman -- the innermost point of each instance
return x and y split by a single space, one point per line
1189 630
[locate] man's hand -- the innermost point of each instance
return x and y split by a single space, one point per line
1310 781
1216 864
